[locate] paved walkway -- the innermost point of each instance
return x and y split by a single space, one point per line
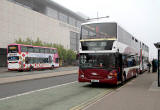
21 76
141 93
3 69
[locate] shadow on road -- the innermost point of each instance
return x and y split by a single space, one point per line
101 85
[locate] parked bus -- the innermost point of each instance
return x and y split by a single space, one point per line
108 53
27 57
144 53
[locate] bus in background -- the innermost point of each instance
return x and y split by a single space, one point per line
107 53
144 58
27 57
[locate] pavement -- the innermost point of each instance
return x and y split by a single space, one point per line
141 93
10 77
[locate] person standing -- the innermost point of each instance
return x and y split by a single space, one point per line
153 66
149 66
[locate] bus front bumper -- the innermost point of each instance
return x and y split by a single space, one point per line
112 81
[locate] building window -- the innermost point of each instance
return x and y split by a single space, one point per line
72 21
63 17
74 41
51 13
24 3
79 24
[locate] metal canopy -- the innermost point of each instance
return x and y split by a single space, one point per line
157 45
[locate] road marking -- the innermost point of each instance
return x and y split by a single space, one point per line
26 93
97 98
91 101
110 93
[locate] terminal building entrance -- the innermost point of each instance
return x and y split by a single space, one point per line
3 57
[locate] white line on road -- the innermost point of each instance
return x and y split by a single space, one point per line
26 93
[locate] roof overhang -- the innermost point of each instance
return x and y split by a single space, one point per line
102 39
157 45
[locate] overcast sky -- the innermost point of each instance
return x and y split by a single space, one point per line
141 18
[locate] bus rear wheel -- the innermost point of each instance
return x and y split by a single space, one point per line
20 70
31 68
123 78
52 67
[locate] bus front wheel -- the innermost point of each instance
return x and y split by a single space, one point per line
31 68
52 67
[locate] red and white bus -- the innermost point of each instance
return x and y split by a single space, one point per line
143 58
108 53
27 57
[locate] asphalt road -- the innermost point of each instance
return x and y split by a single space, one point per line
11 89
64 93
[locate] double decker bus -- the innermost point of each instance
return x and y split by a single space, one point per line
144 53
27 57
108 53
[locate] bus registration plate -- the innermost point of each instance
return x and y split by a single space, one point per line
94 80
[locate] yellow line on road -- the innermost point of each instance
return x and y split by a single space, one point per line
94 99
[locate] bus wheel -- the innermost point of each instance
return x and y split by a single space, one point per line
123 78
52 67
20 70
136 74
31 68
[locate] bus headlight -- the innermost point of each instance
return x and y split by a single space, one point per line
112 74
109 77
82 76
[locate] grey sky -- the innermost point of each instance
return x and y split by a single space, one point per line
141 18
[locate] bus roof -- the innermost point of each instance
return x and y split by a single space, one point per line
30 46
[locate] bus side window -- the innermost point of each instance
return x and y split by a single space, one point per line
31 60
53 51
50 51
38 60
34 60
36 49
46 50
125 62
42 50
23 49
30 49
134 62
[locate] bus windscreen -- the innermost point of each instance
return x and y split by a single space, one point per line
99 30
92 60
97 45
13 49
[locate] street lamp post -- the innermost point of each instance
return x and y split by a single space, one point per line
157 45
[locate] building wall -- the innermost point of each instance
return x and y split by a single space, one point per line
19 22
3 57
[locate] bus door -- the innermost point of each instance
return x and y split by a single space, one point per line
119 65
